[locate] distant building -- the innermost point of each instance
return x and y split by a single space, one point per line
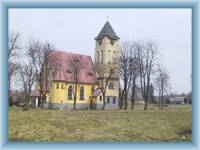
178 100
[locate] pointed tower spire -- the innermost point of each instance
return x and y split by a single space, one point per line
108 31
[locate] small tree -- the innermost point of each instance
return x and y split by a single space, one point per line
162 80
127 66
134 71
146 52
39 53
13 48
75 69
28 77
105 73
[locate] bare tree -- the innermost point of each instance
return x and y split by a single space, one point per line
162 81
39 53
13 47
134 74
158 88
147 52
12 71
28 77
105 73
126 70
120 104
13 44
75 69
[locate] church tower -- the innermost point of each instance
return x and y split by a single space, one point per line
107 52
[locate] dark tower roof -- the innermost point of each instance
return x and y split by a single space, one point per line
107 30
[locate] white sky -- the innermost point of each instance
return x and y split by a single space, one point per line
74 30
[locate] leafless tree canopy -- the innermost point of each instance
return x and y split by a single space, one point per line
147 55
162 82
28 77
38 53
13 51
128 69
75 69
13 44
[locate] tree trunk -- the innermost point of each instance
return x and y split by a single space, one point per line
122 100
133 96
125 94
104 102
75 103
75 96
146 104
159 102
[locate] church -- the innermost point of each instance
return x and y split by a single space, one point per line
88 92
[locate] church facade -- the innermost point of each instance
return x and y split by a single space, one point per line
89 95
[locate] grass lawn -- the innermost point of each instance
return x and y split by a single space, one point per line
173 124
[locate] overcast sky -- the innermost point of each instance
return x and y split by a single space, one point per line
74 30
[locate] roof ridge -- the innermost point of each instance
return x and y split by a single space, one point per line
70 53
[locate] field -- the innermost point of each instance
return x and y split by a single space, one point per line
172 124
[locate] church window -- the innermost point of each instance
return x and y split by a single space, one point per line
109 57
114 100
70 92
62 86
57 86
98 57
108 100
82 93
100 98
112 42
101 56
111 85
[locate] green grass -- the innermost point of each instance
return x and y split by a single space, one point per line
173 124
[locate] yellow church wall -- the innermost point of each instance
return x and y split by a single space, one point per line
60 95
115 91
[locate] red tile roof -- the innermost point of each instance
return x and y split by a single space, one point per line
63 73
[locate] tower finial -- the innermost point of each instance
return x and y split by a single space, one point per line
107 18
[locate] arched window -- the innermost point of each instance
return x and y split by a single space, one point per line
108 100
98 57
111 85
92 90
101 56
114 100
100 98
82 93
112 42
109 56
57 86
70 92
